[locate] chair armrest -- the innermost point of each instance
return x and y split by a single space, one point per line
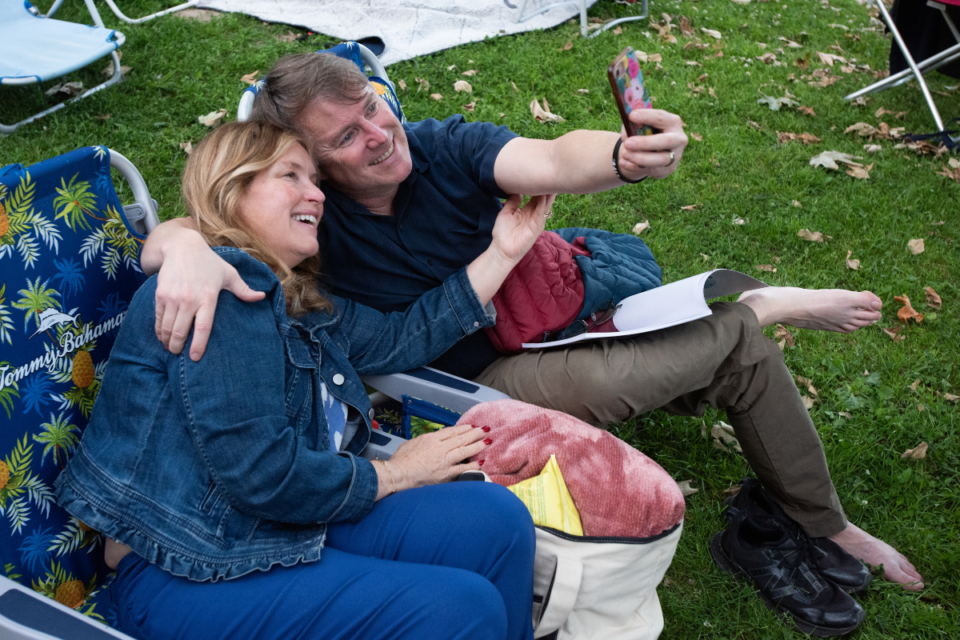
458 394
146 209
27 615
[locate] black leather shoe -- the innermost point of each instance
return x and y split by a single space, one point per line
830 559
781 567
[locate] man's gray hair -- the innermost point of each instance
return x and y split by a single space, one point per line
296 80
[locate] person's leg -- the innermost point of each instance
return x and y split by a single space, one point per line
339 597
821 309
475 526
722 360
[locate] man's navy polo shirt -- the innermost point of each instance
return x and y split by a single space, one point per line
443 216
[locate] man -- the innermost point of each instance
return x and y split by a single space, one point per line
408 204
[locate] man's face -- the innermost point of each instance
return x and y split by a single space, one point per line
361 148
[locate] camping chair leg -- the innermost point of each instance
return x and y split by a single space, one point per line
581 3
933 62
179 7
53 9
114 79
613 23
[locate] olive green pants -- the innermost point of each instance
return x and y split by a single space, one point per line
723 361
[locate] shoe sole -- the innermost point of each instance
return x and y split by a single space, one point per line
728 502
729 566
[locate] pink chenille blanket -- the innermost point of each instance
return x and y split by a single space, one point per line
617 490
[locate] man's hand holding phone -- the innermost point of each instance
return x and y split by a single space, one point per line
655 155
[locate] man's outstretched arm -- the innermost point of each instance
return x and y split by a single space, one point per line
581 161
190 277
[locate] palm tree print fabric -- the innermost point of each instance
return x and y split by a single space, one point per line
69 265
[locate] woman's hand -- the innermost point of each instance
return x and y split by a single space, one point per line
651 155
432 458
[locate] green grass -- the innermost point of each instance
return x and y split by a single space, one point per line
184 69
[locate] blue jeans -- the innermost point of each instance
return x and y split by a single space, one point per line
445 561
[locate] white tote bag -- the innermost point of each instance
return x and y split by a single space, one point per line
592 588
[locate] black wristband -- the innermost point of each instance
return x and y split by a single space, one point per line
616 164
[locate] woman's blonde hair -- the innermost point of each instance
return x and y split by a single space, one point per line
218 173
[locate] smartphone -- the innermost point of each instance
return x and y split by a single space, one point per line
629 91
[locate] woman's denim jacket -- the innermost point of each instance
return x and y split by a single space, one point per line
217 468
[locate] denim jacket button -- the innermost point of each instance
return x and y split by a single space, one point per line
337 379
371 413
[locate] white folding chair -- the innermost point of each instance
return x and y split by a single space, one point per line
34 49
119 14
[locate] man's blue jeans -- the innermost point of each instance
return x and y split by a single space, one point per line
445 561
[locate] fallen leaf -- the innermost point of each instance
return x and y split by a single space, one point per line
852 264
617 31
567 46
543 115
69 88
916 246
213 118
437 96
933 300
829 160
913 387
470 107
808 402
803 63
894 334
810 236
863 173
451 67
470 72
796 203
106 116
906 312
723 435
704 256
949 397
787 42
289 37
807 111
696 136
583 91
462 85
686 489
776 103
782 333
124 70
829 58
693 63
691 207
872 148
685 27
845 414
766 267
809 384
767 58
187 147
203 15
805 138
640 227
514 85
920 407
402 85
422 84
732 490
950 171
713 94
739 221
918 453
754 125
863 129
711 32
250 78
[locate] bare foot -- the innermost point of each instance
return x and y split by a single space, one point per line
863 546
823 309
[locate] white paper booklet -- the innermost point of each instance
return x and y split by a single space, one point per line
669 305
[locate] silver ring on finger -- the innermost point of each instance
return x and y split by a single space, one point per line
548 215
673 158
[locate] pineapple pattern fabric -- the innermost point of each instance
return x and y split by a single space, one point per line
69 265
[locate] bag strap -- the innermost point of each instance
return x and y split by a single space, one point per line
562 596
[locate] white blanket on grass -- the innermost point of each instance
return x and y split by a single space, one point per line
408 28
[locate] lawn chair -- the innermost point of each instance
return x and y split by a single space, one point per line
916 70
582 5
361 56
119 14
35 49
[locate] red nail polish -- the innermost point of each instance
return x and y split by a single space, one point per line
474 426
486 429
488 441
481 462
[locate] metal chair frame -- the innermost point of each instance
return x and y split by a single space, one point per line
119 14
915 70
582 5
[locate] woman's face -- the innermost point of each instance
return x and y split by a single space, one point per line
283 205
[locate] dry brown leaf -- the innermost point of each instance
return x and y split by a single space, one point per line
124 69
949 397
916 246
863 173
810 236
723 435
732 490
462 85
422 84
830 160
829 58
863 129
693 63
640 227
691 207
711 32
807 111
918 453
852 264
802 63
789 43
250 78
933 299
872 148
685 27
782 333
845 414
567 46
920 407
470 106
805 138
402 85
69 88
686 489
436 96
543 115
583 91
809 384
213 118
767 58
290 36
906 312
514 85
617 31
470 72
106 116
739 221
808 402
894 333
451 67
754 125
696 136
766 267
796 203
203 15
913 387
187 147
951 170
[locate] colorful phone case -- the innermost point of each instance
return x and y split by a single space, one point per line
626 80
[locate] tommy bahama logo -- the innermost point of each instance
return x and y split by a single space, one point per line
70 341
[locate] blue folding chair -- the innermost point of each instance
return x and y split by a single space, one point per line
34 49
361 56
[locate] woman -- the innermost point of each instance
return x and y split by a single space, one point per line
218 482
